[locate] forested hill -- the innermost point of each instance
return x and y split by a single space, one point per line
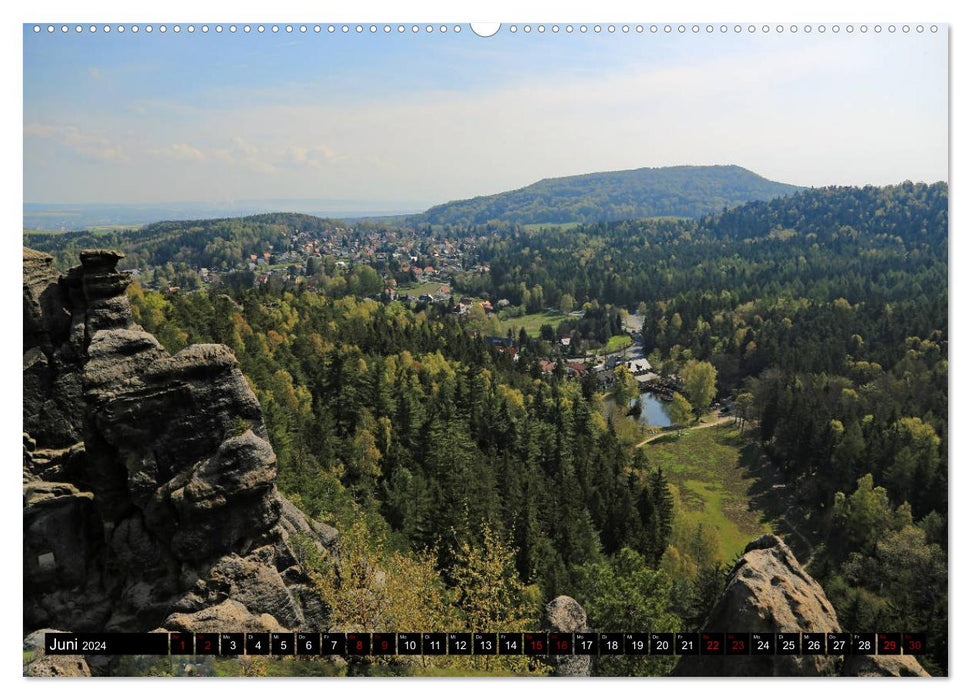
681 191
906 213
215 243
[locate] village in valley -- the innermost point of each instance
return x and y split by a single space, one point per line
406 258
419 268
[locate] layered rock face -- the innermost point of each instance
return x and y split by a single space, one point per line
149 483
768 591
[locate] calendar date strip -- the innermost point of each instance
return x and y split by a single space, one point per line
486 643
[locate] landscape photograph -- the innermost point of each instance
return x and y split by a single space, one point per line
445 350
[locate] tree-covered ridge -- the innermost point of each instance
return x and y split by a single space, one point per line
681 191
220 244
910 211
822 244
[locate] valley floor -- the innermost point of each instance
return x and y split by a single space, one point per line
715 472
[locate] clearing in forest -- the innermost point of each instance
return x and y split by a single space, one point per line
532 322
712 470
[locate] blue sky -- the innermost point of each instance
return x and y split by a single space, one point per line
433 117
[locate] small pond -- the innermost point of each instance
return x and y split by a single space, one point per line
654 411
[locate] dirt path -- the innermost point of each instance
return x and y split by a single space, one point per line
717 421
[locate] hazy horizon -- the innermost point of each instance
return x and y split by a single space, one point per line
155 119
420 205
80 215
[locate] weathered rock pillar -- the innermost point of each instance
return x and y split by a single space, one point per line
564 614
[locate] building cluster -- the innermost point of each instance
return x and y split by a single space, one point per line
398 254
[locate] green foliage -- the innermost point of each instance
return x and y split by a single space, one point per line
734 294
625 387
368 587
703 593
622 594
679 409
699 384
895 574
488 588
491 596
151 310
863 515
426 433
219 244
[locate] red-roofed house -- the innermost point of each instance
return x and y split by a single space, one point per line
576 367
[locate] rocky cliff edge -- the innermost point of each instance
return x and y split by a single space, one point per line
769 591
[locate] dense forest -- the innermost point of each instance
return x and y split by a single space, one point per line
826 316
820 317
422 439
681 191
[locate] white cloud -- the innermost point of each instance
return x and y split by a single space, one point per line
84 143
301 156
243 154
180 151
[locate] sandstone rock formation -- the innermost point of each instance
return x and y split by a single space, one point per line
882 666
564 614
149 482
36 663
769 591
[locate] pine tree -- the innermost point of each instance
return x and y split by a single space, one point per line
663 514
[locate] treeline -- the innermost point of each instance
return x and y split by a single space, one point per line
219 244
887 242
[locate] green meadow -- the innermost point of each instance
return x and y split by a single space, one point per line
532 322
709 466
